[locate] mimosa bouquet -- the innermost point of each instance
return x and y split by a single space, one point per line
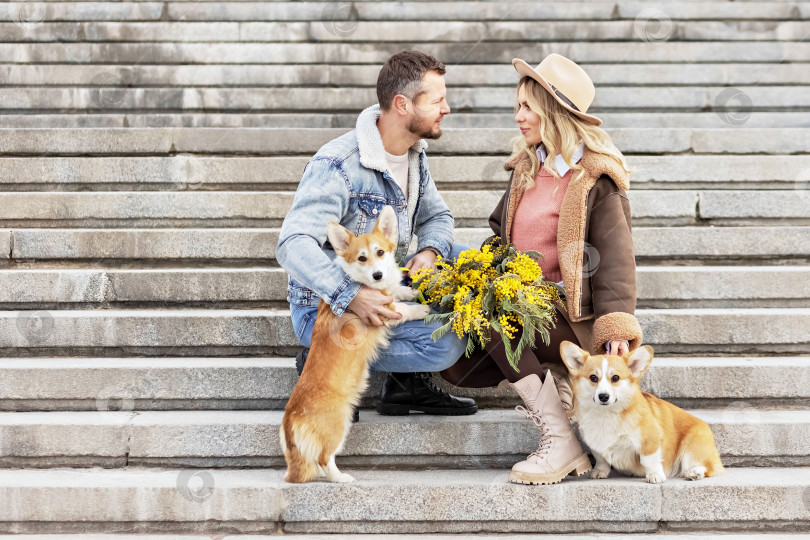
495 288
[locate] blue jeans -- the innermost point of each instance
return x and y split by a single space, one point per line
410 348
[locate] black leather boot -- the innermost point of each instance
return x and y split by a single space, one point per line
300 360
405 392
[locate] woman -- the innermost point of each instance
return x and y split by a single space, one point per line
566 199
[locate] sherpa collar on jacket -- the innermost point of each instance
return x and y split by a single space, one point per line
372 153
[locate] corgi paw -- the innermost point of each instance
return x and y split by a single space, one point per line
696 473
412 312
656 478
600 473
403 292
420 311
342 478
409 312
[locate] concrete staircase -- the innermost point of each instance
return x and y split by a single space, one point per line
150 150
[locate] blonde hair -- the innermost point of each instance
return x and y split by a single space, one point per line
560 132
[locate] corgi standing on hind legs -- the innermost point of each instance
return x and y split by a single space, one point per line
318 414
634 431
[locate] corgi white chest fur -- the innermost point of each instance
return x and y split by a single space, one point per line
618 442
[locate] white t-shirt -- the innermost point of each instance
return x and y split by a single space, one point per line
398 165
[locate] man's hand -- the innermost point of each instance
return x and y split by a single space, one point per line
369 304
423 259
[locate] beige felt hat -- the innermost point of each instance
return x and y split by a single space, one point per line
565 81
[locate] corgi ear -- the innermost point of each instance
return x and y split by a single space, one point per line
387 224
573 356
639 361
339 237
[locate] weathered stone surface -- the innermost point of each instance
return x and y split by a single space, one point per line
146 328
196 99
231 436
276 141
718 327
699 242
458 120
743 496
681 285
709 329
191 172
762 497
260 243
142 244
720 242
144 383
151 285
450 53
757 204
460 75
136 207
392 31
251 383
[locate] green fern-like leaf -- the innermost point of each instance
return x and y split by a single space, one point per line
441 331
470 346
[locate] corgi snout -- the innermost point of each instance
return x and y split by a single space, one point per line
605 377
604 398
377 276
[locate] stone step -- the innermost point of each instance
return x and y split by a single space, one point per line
657 287
304 536
194 172
722 100
360 53
254 245
224 332
489 438
420 2
470 208
706 244
456 120
214 332
460 501
641 25
130 384
283 142
373 11
721 286
612 120
458 75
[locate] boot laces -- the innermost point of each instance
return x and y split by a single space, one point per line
545 441
430 385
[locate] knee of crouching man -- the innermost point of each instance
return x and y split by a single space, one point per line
447 351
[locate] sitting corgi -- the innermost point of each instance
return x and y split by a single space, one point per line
633 431
319 412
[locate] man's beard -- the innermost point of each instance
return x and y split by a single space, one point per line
423 128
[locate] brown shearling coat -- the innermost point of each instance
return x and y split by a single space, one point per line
595 249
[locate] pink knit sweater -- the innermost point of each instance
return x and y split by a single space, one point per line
535 222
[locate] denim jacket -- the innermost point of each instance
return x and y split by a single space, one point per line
348 182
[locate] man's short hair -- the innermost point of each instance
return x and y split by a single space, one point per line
402 74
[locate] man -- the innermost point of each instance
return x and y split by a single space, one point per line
350 179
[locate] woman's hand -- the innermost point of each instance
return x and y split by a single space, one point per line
618 347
